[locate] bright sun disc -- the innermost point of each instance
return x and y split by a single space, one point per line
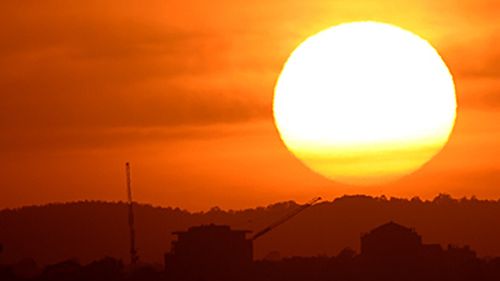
365 103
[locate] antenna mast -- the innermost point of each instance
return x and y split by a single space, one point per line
133 252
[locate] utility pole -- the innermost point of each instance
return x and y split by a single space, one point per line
133 252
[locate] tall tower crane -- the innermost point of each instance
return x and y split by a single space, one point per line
133 252
285 218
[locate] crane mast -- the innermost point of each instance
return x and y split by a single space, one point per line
133 252
285 218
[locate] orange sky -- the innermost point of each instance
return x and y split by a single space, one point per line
183 90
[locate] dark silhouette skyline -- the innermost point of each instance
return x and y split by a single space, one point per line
90 230
216 252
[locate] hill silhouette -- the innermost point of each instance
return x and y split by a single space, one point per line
90 230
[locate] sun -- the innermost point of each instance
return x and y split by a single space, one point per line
365 103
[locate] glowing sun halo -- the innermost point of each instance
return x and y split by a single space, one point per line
364 103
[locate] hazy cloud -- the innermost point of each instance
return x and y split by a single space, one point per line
80 73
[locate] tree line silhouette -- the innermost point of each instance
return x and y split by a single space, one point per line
320 244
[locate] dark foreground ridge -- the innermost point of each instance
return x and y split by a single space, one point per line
88 231
216 252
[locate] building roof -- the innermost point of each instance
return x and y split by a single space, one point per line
210 228
390 227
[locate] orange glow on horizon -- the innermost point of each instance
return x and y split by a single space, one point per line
184 91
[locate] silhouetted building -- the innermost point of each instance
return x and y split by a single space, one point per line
391 240
66 270
209 249
460 254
